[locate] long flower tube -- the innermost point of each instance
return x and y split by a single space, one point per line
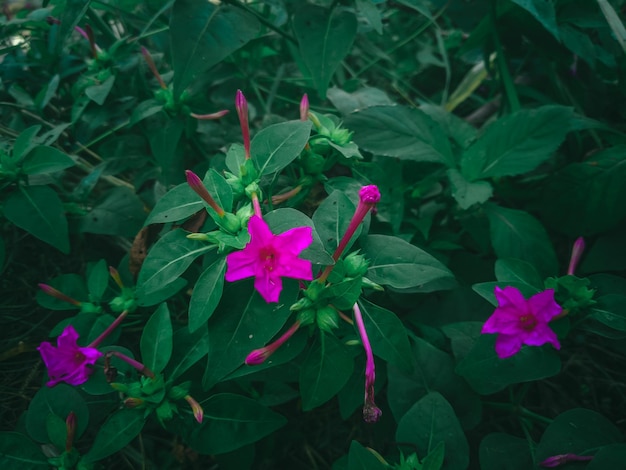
371 413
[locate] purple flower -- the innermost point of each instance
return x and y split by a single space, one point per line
270 257
562 459
68 362
520 321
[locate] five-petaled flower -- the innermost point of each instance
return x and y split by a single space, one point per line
269 257
68 362
522 321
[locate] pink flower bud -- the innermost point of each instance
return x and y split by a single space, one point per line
116 277
198 412
210 117
577 251
70 425
196 184
369 194
242 111
304 108
148 58
52 292
557 460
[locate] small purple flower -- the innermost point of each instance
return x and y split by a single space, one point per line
68 362
520 321
304 107
268 258
577 252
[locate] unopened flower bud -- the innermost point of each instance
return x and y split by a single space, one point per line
304 107
313 163
355 265
133 402
211 116
52 292
340 136
230 222
197 185
369 194
306 316
198 412
327 319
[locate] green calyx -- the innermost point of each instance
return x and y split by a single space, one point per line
571 292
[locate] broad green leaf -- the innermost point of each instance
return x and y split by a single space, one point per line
400 265
517 143
281 220
577 431
343 294
516 270
324 372
461 132
232 421
168 259
332 219
120 212
274 147
17 452
219 188
235 157
177 204
417 5
203 34
587 198
402 132
431 421
466 193
206 294
98 93
98 280
24 142
156 340
57 430
610 456
487 373
544 12
189 348
43 159
517 234
387 335
431 370
162 293
361 458
116 433
39 211
59 400
69 14
614 22
499 450
72 285
364 97
324 37
610 311
144 110
242 323
3 253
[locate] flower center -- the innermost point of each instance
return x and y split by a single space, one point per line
528 322
79 358
268 259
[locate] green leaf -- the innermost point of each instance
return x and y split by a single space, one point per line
614 22
206 294
517 143
610 311
324 37
168 259
332 219
611 456
39 211
98 93
98 280
467 194
69 14
165 148
371 13
431 370
119 212
516 270
499 450
431 421
232 421
46 160
387 335
47 92
189 348
177 204
156 340
281 220
324 372
25 142
402 132
577 431
400 265
364 97
242 323
17 452
417 5
587 198
487 373
115 434
203 34
361 458
517 234
59 400
71 285
543 11
144 110
274 147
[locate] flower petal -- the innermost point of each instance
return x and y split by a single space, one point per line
294 240
260 233
543 305
241 265
295 268
542 334
269 286
507 345
510 297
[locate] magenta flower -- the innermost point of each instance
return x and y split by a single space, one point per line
68 362
562 459
520 321
270 257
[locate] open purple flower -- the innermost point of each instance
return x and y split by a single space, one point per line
522 321
68 362
270 257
